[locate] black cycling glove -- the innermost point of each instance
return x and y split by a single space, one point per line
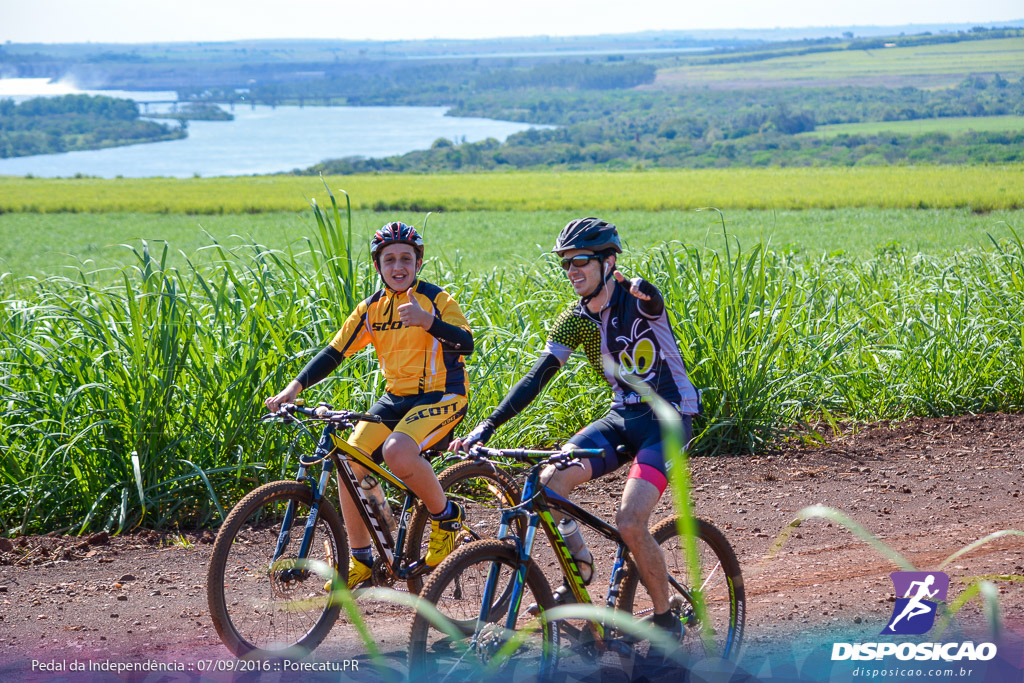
480 435
655 306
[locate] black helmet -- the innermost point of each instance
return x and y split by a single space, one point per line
588 233
396 233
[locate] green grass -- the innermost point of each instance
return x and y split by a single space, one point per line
129 395
132 399
42 244
951 126
890 187
941 65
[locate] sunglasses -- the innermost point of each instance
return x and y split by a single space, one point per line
579 261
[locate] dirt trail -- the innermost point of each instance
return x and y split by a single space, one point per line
925 487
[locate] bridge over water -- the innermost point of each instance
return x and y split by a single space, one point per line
251 102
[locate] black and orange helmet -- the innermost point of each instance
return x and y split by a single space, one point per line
396 233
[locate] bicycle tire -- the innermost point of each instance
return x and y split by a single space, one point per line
483 490
725 597
455 587
257 608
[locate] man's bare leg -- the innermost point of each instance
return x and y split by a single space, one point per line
638 501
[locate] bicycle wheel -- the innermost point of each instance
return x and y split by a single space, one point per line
720 583
267 608
482 490
456 588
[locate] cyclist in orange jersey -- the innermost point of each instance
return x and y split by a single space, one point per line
421 338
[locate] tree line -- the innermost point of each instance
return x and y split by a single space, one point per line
704 129
602 117
49 125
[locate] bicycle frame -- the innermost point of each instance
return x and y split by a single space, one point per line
336 454
538 504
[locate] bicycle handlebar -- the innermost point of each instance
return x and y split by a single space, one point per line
321 412
560 459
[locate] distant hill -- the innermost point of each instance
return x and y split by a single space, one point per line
816 32
290 51
730 97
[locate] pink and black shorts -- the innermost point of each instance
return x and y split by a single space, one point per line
638 430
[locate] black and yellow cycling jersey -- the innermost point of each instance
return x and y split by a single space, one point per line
629 342
414 360
636 337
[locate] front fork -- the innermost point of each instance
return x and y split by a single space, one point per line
616 577
523 553
317 492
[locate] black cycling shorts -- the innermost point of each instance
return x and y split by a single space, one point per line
637 428
428 419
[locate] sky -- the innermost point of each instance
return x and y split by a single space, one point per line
138 21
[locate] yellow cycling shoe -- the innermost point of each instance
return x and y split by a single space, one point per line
358 572
443 534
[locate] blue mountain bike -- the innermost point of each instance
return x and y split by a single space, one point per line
495 594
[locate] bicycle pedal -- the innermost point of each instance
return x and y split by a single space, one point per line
367 583
418 568
562 595
630 640
621 646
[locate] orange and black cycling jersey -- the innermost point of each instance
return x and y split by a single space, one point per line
414 360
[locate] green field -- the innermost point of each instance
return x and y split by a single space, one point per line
981 188
47 224
797 315
39 244
941 65
952 126
172 364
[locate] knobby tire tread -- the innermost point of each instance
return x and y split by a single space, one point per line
282 490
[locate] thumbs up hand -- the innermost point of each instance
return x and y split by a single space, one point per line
412 314
634 286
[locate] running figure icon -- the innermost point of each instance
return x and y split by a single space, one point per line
921 591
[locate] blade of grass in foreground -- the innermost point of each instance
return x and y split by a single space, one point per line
678 467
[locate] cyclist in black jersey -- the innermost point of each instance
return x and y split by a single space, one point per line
623 321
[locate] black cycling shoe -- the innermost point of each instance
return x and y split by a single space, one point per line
659 665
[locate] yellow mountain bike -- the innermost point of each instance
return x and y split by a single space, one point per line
266 600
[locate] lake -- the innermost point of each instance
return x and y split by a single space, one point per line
261 139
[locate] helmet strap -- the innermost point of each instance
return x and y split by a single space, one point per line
600 285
